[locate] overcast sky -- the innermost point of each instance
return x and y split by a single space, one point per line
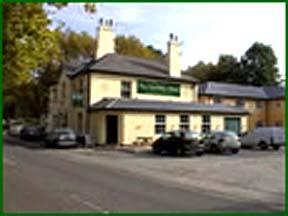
206 30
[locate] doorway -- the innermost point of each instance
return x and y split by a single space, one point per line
233 124
111 129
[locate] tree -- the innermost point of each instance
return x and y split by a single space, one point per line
28 45
258 66
134 47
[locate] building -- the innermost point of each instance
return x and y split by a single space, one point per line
266 105
124 100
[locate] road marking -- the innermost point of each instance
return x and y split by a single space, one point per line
87 203
9 162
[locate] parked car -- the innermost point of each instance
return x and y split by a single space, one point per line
222 141
15 128
32 132
264 137
61 137
179 143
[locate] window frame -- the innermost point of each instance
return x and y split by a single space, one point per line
259 104
240 102
160 126
126 89
184 125
206 124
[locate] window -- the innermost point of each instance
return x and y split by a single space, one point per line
217 99
205 124
126 89
184 122
54 94
240 102
278 124
63 91
259 104
259 123
81 86
278 104
160 124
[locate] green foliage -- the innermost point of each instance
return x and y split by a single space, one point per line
256 67
132 46
259 66
27 42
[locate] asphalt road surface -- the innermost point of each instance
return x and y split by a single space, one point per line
36 179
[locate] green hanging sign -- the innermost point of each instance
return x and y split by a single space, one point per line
77 99
158 88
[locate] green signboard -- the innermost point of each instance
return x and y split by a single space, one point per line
77 99
158 88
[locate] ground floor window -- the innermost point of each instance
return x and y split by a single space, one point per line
160 124
278 124
184 122
206 124
259 123
79 122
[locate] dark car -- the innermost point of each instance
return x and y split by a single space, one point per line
178 143
32 132
61 137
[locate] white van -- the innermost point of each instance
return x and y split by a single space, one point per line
264 137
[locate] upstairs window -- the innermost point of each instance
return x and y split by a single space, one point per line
259 104
206 124
160 124
63 91
184 122
240 102
81 85
259 123
217 99
278 104
126 89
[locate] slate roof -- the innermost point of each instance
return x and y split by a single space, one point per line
160 106
236 90
132 66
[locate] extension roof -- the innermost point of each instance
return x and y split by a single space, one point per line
236 90
160 106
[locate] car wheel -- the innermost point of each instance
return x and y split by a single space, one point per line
214 148
199 153
263 145
276 147
235 151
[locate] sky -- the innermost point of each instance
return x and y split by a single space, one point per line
206 30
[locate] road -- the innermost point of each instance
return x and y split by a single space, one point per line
36 179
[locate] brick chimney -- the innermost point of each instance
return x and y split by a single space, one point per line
105 38
174 56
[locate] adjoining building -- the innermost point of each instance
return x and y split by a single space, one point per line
266 104
120 99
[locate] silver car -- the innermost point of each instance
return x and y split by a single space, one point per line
61 137
222 141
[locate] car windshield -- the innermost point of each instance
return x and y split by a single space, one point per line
64 131
191 135
230 134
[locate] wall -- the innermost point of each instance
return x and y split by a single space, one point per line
256 114
276 112
135 124
103 85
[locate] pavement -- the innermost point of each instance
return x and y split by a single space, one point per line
89 180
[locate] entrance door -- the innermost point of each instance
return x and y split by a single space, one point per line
233 124
111 129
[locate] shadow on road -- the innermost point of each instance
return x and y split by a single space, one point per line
33 145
